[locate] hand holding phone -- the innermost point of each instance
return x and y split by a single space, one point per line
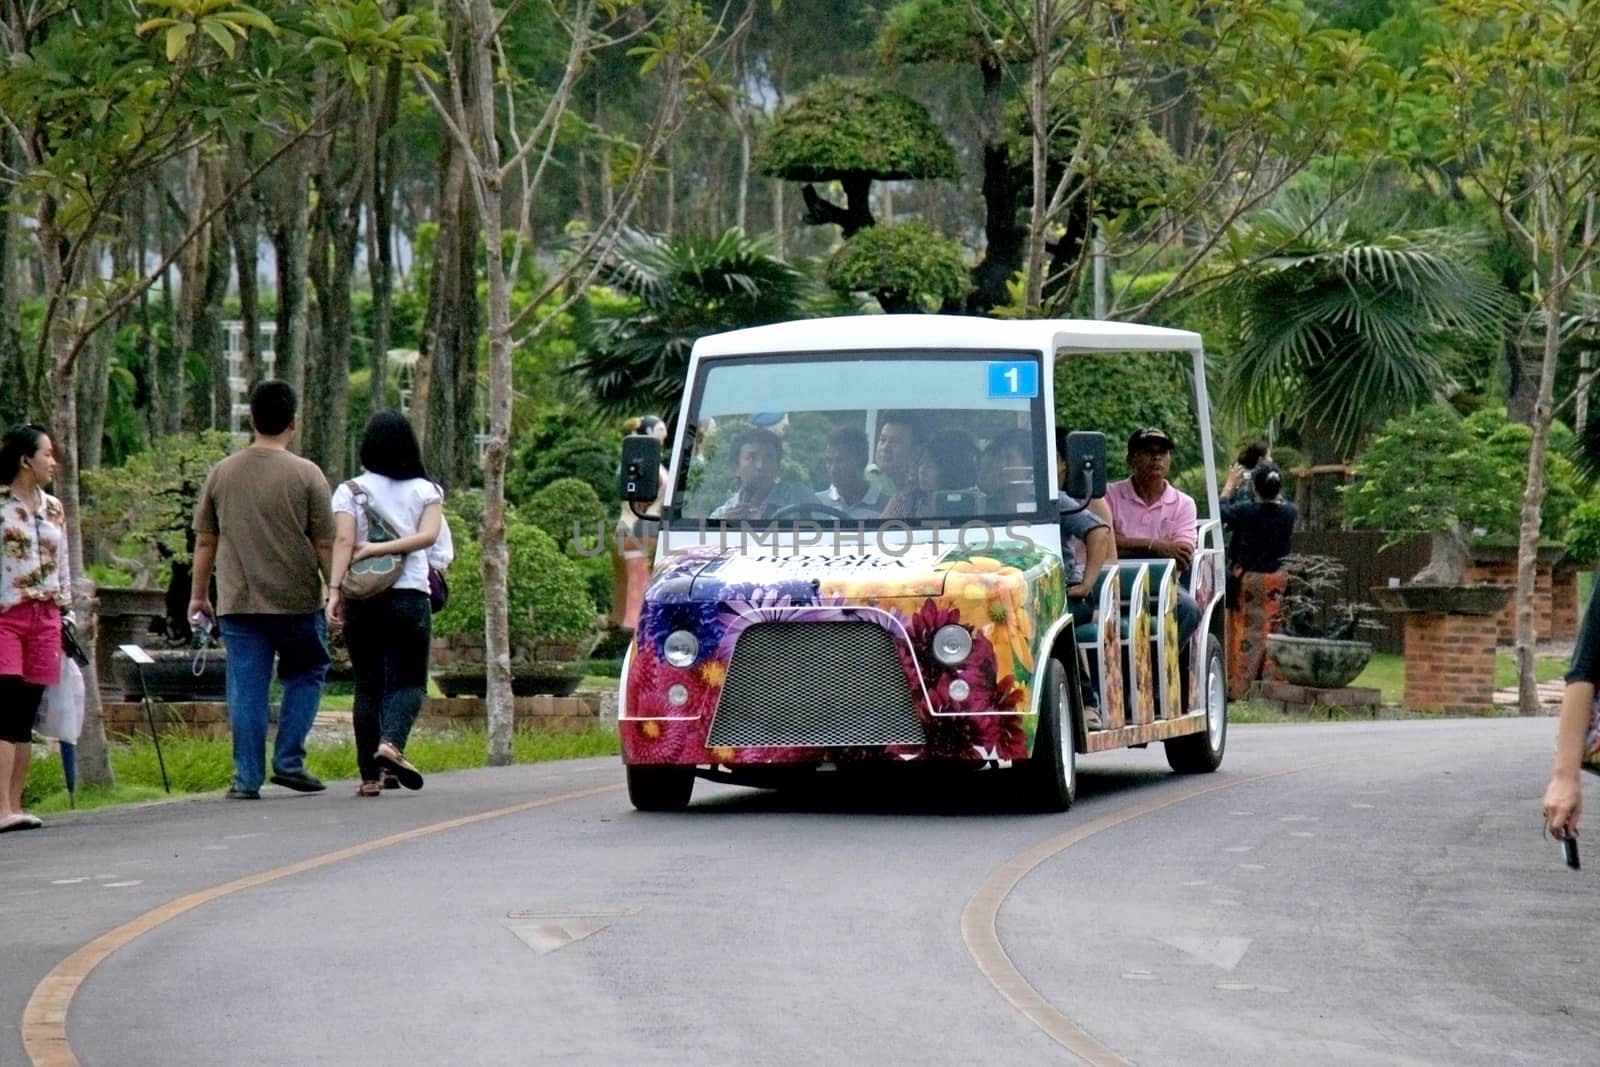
1569 852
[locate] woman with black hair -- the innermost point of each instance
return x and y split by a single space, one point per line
1237 487
1262 532
35 588
388 634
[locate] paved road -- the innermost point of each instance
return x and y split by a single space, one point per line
1341 894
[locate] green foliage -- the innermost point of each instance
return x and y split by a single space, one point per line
598 576
1341 329
564 442
1430 469
1583 532
845 128
941 31
909 265
564 506
635 352
547 597
1117 394
1422 474
140 515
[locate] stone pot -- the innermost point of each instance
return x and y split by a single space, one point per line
1442 599
172 677
1318 662
123 617
471 680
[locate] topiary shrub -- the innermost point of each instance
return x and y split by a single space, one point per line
1583 533
547 597
139 517
909 266
564 506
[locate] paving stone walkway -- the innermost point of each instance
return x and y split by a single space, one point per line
1549 694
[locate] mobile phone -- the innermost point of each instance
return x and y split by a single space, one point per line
1569 852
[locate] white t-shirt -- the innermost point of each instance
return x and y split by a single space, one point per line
401 504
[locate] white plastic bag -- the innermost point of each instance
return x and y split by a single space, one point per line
61 710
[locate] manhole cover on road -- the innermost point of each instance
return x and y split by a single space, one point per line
545 938
546 931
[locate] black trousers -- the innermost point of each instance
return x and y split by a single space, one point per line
389 637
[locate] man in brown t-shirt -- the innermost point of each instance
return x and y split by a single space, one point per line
264 520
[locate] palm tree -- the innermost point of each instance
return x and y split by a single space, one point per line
1341 330
673 291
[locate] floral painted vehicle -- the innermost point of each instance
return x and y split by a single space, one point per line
861 564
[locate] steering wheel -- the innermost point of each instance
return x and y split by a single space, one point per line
811 506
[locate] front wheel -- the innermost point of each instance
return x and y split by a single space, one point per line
1049 778
660 788
1202 753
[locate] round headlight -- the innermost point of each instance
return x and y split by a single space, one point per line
680 648
952 644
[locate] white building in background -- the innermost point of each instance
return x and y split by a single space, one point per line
238 386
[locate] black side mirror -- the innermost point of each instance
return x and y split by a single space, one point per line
1086 465
641 468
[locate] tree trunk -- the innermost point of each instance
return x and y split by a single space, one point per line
1005 239
1447 559
340 197
208 335
244 235
496 562
292 211
448 364
14 378
380 241
1533 493
94 762
94 393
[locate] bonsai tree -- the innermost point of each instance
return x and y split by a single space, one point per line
852 132
1311 607
139 517
546 596
908 267
1432 472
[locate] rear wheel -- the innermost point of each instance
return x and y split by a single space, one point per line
1049 778
1202 753
660 788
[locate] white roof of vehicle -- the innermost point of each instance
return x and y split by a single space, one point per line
877 332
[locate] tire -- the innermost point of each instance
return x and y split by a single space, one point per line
660 788
1201 753
1048 780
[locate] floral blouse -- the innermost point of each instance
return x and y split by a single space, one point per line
33 552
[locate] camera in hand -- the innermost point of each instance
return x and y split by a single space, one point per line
204 630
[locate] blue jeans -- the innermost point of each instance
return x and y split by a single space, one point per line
299 642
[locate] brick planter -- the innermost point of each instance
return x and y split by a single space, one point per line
1449 662
1555 591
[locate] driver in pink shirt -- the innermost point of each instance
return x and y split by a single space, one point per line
1154 519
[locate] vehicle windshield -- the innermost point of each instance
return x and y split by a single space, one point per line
935 439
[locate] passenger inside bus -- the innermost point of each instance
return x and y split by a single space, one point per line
894 458
757 455
944 467
1005 474
845 461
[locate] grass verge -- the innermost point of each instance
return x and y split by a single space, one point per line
1386 672
202 765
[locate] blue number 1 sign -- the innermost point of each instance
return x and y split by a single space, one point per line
1018 381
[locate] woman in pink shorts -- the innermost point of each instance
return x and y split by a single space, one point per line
34 589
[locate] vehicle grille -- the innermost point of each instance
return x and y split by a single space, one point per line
816 683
